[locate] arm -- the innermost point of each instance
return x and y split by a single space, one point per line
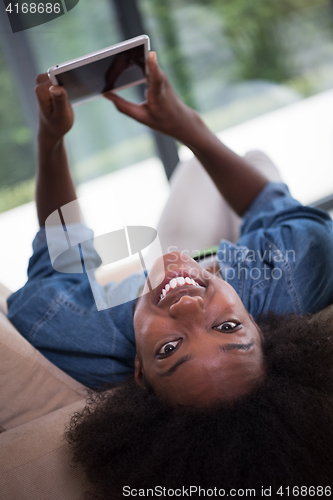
237 181
54 184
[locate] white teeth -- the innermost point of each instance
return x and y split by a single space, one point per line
175 282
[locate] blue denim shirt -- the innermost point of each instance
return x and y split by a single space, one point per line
57 314
282 263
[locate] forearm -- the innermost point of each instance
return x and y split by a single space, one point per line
238 182
54 183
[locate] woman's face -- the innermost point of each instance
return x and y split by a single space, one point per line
198 344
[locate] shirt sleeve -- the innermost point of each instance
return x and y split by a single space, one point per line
280 231
57 311
52 251
266 210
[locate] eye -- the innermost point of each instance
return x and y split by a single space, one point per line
227 326
169 348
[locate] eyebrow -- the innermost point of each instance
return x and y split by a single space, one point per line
239 347
174 367
183 359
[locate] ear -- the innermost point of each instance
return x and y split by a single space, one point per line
138 373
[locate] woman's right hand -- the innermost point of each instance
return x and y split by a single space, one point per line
56 116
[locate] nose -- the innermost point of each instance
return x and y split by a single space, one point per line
189 307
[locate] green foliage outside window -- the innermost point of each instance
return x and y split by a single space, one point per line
174 57
254 30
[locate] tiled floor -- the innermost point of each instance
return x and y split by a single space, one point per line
299 138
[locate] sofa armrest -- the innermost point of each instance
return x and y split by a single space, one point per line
35 460
4 294
30 385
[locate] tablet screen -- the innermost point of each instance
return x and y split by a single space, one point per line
113 72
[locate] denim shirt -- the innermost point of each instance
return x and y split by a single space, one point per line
282 263
57 314
283 260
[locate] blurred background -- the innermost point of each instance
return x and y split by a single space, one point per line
260 73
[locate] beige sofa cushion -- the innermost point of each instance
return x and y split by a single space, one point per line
35 461
30 386
36 402
4 293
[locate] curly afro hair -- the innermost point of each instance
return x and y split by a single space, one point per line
279 434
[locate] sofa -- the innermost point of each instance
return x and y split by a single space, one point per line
35 407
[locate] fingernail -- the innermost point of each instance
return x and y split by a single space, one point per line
55 90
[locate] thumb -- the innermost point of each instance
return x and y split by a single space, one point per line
135 111
59 99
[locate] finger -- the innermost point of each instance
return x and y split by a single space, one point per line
42 77
155 73
136 111
59 100
42 91
157 80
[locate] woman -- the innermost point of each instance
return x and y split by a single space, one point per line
203 367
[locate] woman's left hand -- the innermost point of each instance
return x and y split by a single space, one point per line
163 110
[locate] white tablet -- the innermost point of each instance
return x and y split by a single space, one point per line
113 68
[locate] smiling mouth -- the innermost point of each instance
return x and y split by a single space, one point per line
176 283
